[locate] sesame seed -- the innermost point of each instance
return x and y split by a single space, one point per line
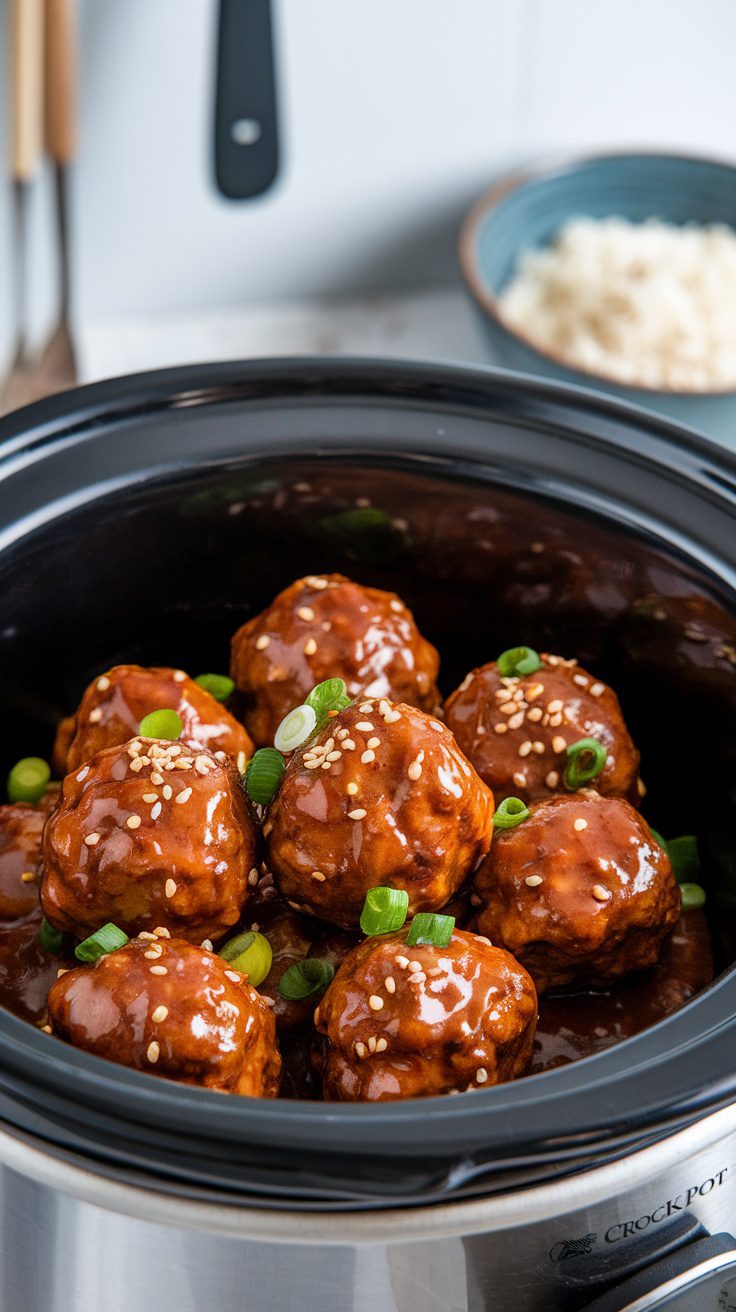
600 893
207 943
525 748
368 706
555 720
552 779
47 1029
161 932
150 797
397 606
156 970
374 742
133 822
360 1049
310 647
535 714
63 970
508 708
482 939
253 877
368 756
138 764
375 1003
381 1045
580 680
641 787
415 770
152 1051
145 935
403 962
92 840
233 976
439 728
158 779
519 778
481 1075
580 824
498 728
414 966
392 716
159 1014
306 613
333 756
365 726
263 642
597 689
558 743
343 733
555 706
317 874
348 745
351 789
534 881
358 814
534 691
96 715
372 1043
183 796
28 877
326 764
538 747
516 721
103 683
170 887
82 774
156 811
418 977
153 953
390 984
316 582
310 764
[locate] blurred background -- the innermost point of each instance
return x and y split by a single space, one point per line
392 117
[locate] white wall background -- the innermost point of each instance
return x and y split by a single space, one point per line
395 114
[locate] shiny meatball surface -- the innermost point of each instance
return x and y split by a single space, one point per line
150 833
579 892
115 703
411 1022
169 1008
323 627
21 834
516 730
382 795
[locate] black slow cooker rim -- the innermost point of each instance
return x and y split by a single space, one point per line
652 1080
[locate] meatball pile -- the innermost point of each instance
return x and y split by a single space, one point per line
328 870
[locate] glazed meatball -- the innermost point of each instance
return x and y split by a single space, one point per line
150 833
516 730
411 1022
114 704
325 627
382 795
579 892
164 1006
21 833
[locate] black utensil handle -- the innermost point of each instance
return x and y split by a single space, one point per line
246 130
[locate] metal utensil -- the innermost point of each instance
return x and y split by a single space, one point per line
26 53
57 368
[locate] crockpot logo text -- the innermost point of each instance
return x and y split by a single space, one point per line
680 1203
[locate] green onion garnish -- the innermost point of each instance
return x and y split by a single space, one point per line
330 695
658 838
106 939
510 813
295 728
586 758
517 661
51 939
28 779
251 953
264 774
219 686
693 895
428 927
384 910
305 978
161 724
684 858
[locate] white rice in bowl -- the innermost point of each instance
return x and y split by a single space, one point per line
648 304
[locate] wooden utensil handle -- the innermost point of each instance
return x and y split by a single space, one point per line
60 76
26 86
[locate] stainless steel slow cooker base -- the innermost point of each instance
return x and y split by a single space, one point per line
77 1241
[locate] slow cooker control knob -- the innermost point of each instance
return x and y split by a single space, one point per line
698 1277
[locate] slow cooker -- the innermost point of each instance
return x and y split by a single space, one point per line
143 519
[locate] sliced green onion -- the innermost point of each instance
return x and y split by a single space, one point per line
693 895
305 978
264 774
51 939
106 939
161 724
685 859
384 910
251 953
330 695
219 686
510 813
28 779
295 728
586 758
428 927
364 533
517 661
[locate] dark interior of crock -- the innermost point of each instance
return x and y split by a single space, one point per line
164 572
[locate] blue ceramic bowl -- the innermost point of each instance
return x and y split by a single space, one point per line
526 209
